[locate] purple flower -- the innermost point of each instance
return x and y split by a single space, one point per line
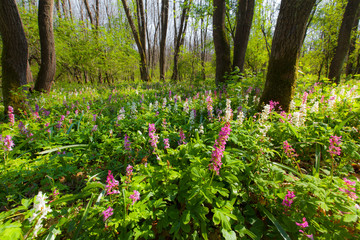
8 143
166 142
127 143
135 197
94 117
107 213
111 183
129 170
219 146
95 127
334 148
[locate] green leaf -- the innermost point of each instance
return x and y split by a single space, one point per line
291 127
84 217
228 235
93 185
350 218
11 230
186 217
275 222
63 147
287 168
342 124
53 233
317 160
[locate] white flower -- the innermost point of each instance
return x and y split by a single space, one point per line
265 113
315 107
240 118
201 131
292 105
228 110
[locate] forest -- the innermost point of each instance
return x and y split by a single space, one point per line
179 119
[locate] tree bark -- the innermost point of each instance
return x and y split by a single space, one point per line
139 36
164 25
179 41
221 43
285 51
243 27
344 38
350 67
48 60
14 59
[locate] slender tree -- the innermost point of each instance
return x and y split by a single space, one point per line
164 26
244 21
14 54
139 35
221 43
180 36
48 60
344 39
285 51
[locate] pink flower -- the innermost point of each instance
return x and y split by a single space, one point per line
289 151
135 197
8 143
94 128
107 213
111 183
166 142
288 200
154 138
334 148
129 170
304 224
182 137
219 146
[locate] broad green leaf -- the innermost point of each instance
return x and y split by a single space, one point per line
276 223
228 235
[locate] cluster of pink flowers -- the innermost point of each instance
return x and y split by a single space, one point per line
127 143
62 118
135 197
350 189
182 137
129 170
289 150
288 200
273 105
334 148
107 213
164 122
8 143
154 138
166 142
11 115
219 146
304 225
111 184
209 102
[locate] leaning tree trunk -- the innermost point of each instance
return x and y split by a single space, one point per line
14 59
344 39
221 43
164 25
243 27
48 60
285 51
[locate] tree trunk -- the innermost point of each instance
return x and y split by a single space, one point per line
285 51
164 25
14 59
139 36
48 60
344 38
243 27
350 67
221 43
179 41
